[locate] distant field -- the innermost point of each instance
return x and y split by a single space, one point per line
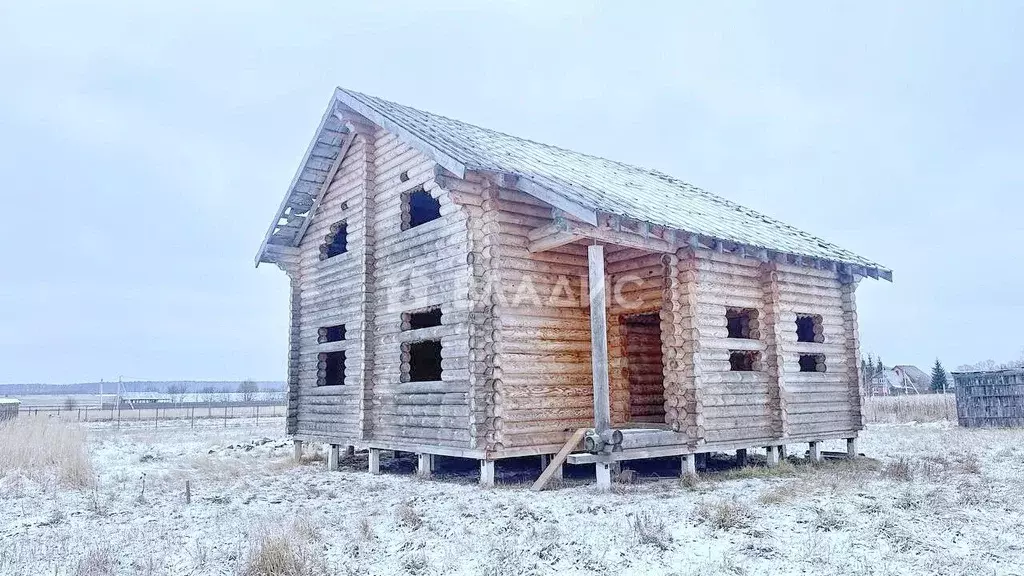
93 400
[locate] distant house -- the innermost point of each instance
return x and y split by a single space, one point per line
902 379
9 408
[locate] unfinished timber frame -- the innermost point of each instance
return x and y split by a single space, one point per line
460 292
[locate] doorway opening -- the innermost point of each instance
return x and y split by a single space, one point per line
646 371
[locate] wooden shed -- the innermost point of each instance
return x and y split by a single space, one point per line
990 399
9 408
458 291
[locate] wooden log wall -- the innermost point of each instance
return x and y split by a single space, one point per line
734 405
818 402
331 293
415 269
636 280
546 386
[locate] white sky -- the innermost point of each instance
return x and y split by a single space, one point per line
144 150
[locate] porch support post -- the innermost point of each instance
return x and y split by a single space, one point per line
599 340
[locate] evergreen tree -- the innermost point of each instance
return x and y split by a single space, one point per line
939 383
879 367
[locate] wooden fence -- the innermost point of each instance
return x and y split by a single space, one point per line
163 411
990 399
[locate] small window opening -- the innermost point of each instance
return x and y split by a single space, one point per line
331 334
422 208
424 361
741 322
336 242
425 319
331 369
808 328
743 361
812 362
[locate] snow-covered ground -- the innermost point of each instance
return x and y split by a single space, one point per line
931 498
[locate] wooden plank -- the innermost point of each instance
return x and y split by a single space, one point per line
556 462
599 338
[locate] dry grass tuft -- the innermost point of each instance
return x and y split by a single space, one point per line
650 529
97 562
828 519
725 514
46 449
284 552
408 516
913 408
901 469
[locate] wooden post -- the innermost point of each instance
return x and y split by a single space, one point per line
689 466
373 460
782 451
333 457
599 341
741 457
815 450
773 456
298 450
545 459
425 465
603 470
487 472
851 448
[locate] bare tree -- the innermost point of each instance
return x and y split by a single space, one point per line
177 391
248 389
70 403
210 393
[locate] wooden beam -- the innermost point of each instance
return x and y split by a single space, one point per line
599 338
628 239
553 241
541 189
556 463
335 166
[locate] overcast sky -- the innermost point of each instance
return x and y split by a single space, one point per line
143 152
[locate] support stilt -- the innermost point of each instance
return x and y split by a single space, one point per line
782 452
814 448
851 448
298 450
373 462
425 465
689 467
773 456
487 472
741 457
603 470
333 458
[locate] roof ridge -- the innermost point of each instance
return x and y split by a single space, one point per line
362 96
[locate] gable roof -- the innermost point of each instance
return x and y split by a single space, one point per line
581 180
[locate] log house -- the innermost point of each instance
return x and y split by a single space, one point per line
461 292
